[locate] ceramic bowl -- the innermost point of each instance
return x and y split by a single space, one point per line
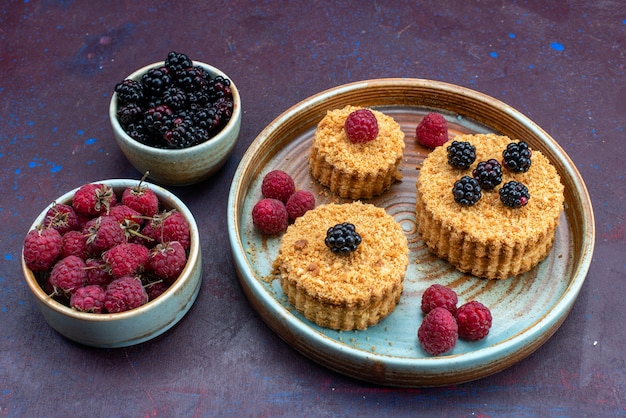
179 167
136 325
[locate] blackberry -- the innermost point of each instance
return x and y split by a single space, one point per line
181 135
514 194
175 98
207 118
177 63
137 131
192 79
466 191
129 91
461 154
342 238
129 113
516 157
488 174
156 81
158 119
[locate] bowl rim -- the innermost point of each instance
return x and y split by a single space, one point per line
193 258
233 122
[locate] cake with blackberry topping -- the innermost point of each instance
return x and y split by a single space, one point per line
510 225
356 152
343 265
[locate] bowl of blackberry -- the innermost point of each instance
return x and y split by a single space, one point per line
113 263
177 119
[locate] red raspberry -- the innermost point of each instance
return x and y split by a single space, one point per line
142 199
167 261
438 332
103 232
126 215
439 296
98 272
61 217
361 126
94 199
474 320
74 243
126 259
156 289
270 217
299 203
42 248
432 131
124 294
68 275
169 226
89 298
278 185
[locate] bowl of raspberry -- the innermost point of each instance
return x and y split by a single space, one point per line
113 263
177 119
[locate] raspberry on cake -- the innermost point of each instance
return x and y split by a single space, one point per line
489 238
347 291
356 170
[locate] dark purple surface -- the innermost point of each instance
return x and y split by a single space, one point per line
560 63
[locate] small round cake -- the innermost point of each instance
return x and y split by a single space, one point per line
488 239
356 170
343 291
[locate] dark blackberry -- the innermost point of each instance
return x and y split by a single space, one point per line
158 119
129 91
181 135
156 81
129 113
192 79
488 174
466 191
514 194
461 154
207 118
342 238
177 63
137 131
175 98
516 157
197 100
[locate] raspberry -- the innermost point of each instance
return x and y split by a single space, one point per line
278 185
61 217
167 261
103 232
474 321
432 131
461 154
169 226
514 194
89 298
142 199
124 294
42 248
466 191
342 238
156 289
126 259
438 332
68 274
299 203
98 272
126 215
361 126
439 296
74 243
94 199
269 216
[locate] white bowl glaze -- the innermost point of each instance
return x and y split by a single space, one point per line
137 325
